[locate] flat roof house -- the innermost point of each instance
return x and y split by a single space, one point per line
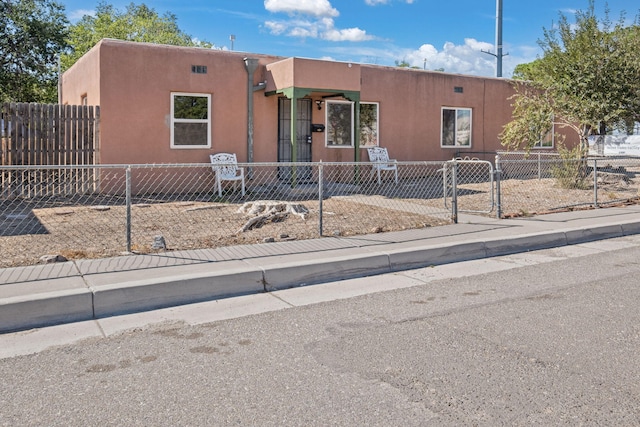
168 104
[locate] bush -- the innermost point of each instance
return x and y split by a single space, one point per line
571 171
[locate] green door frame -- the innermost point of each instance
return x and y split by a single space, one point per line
294 93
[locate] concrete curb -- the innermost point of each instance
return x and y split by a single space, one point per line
93 296
629 229
32 311
593 233
528 242
291 271
406 259
142 295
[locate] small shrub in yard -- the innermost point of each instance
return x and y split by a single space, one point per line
570 171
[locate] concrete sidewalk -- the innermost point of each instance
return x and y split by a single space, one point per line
91 289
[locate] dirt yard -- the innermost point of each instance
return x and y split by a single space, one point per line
94 231
100 231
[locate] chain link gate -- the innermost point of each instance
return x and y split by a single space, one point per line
464 179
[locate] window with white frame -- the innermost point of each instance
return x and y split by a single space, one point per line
369 116
456 127
546 138
190 120
339 128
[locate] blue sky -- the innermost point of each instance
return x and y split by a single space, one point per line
432 34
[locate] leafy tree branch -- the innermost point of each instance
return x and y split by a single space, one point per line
586 80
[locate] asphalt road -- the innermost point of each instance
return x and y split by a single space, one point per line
544 338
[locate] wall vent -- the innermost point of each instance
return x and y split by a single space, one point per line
458 89
199 69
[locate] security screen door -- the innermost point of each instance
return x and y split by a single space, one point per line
303 138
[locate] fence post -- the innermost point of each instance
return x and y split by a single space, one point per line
539 167
498 173
128 206
454 192
595 183
320 197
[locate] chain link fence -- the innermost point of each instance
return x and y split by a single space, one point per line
469 186
538 182
544 182
147 208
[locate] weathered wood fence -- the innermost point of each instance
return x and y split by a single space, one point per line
47 135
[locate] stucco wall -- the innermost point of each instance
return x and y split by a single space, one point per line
133 82
136 86
83 79
411 103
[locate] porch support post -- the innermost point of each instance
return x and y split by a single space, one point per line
356 130
355 98
294 136
356 136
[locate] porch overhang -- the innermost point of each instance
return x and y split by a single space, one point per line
296 78
304 76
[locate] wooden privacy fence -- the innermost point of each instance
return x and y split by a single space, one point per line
48 135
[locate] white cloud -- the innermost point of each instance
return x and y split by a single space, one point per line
463 59
348 34
276 28
321 25
468 58
302 32
318 8
319 29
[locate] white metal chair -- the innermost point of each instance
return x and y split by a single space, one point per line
379 157
225 167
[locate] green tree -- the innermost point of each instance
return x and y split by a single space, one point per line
630 39
405 64
32 35
137 23
586 79
527 71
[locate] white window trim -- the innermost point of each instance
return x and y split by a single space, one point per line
377 104
538 145
326 120
207 120
456 145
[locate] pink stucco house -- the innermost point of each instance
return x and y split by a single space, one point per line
168 104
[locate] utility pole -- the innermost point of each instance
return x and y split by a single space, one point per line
232 38
498 53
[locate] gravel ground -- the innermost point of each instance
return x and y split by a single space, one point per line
100 231
94 231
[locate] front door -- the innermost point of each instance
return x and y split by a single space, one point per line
303 138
